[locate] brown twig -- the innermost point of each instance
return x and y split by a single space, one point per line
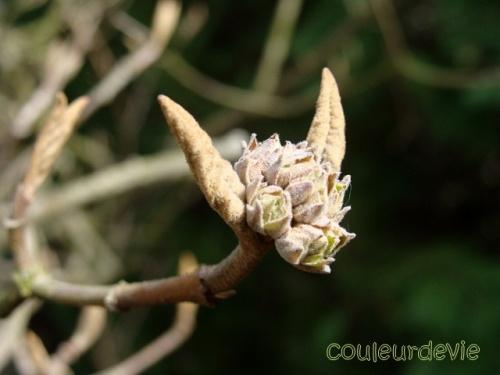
219 183
205 286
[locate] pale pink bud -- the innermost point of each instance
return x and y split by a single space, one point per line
312 249
300 191
270 211
304 246
257 157
313 209
293 164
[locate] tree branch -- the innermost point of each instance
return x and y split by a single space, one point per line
204 286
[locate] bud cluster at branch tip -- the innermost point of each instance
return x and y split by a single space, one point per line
296 200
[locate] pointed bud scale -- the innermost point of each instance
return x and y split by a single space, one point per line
336 193
338 237
299 191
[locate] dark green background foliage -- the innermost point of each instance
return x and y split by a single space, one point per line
425 163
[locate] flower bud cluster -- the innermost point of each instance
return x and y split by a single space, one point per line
296 200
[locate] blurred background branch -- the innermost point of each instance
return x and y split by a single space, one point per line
181 329
164 22
277 45
90 325
13 328
64 59
408 65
